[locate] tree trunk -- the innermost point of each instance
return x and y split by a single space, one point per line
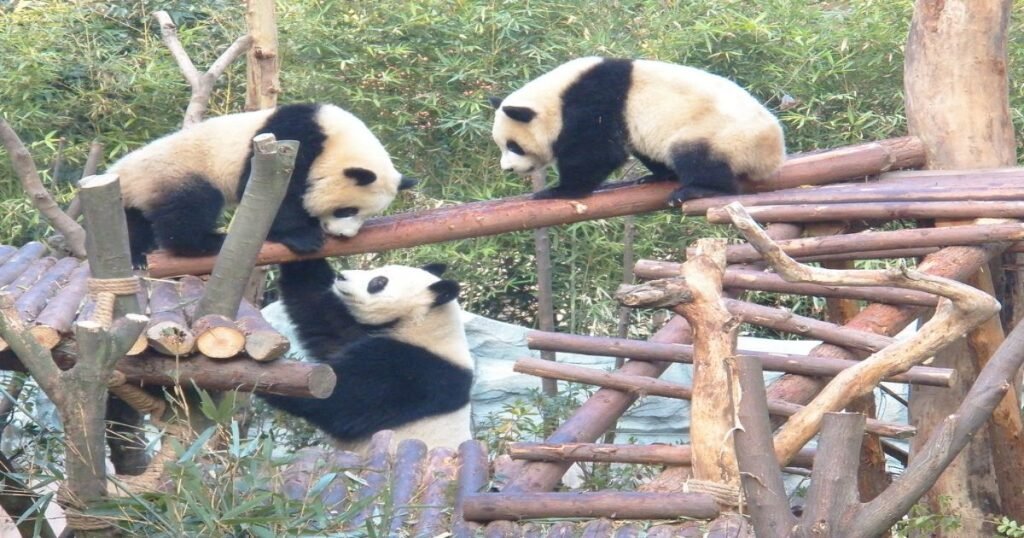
957 103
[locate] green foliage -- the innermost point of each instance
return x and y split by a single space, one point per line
1008 527
921 521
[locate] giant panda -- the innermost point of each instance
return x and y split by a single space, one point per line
589 114
394 337
175 187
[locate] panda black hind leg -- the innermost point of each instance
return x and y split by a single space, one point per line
140 236
701 175
184 220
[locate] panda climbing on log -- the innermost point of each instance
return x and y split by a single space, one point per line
395 339
176 187
684 124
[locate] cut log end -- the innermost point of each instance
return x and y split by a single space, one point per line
266 345
321 381
138 347
217 337
171 338
96 181
48 337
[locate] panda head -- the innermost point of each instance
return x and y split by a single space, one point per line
399 297
525 133
353 178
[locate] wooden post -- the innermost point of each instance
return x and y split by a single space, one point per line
965 122
272 165
714 346
107 241
263 64
545 291
834 480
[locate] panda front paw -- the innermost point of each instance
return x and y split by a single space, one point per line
301 242
682 194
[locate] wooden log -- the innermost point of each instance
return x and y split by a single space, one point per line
715 331
953 262
168 332
374 476
595 416
954 433
834 481
561 529
6 253
441 470
683 353
783 320
872 254
34 299
217 337
473 477
610 504
520 213
610 453
922 237
108 232
765 493
746 279
190 289
410 457
642 385
262 341
965 209
56 318
272 163
19 261
29 277
283 377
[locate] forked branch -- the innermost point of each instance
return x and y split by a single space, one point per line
961 309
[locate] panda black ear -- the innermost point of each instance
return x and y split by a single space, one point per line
495 101
407 183
436 269
519 113
362 176
445 291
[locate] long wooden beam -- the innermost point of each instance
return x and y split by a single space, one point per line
683 353
520 213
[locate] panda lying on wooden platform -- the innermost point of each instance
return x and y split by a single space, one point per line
394 337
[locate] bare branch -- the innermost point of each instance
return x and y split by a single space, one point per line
169 35
25 167
965 309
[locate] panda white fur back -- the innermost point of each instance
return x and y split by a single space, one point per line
395 339
587 115
176 187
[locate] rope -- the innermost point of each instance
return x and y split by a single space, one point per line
723 494
76 519
104 291
140 400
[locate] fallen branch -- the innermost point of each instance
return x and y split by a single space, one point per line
683 353
27 172
642 385
201 83
520 213
965 309
615 505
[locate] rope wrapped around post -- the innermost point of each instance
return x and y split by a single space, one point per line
104 291
724 494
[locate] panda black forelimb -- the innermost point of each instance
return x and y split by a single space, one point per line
322 321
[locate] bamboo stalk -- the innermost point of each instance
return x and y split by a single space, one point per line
520 213
683 353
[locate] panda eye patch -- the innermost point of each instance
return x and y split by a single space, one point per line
345 212
361 175
377 284
514 147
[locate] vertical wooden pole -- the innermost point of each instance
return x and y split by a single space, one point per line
545 301
263 62
957 102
